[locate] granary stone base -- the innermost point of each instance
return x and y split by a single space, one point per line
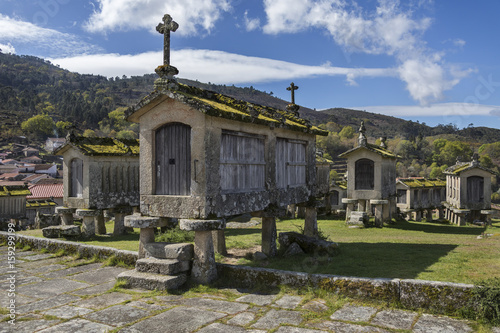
88 224
61 231
147 225
164 250
66 215
152 281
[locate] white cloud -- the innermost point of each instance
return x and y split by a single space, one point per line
251 24
211 66
7 48
444 110
20 34
194 16
388 30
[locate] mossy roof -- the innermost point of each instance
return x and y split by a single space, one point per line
460 167
101 146
422 182
323 160
373 148
40 203
223 106
14 190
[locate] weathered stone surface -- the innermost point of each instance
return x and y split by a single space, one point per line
441 297
354 313
218 327
117 315
99 276
103 301
50 288
163 250
61 230
201 225
78 325
88 212
64 210
46 220
259 256
51 232
179 319
268 237
67 311
137 221
95 290
379 202
433 324
46 303
204 270
257 299
308 244
152 281
396 319
242 319
162 266
274 318
316 306
358 218
340 327
349 201
213 304
288 302
28 326
88 226
292 250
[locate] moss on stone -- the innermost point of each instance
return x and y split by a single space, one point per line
14 190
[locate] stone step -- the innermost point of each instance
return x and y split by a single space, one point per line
162 266
164 250
57 231
152 281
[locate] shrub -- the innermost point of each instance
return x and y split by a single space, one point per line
175 235
484 304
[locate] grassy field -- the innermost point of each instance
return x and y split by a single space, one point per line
411 250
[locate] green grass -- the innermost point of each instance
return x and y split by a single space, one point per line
411 250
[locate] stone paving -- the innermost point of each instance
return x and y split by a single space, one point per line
52 297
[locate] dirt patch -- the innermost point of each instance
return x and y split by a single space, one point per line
234 255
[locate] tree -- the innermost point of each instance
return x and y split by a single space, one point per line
347 132
88 133
63 127
39 125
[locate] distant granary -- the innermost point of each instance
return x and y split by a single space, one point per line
338 191
13 204
420 195
371 181
468 192
99 173
206 156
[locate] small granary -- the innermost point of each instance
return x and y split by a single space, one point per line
13 203
468 192
371 181
99 173
420 195
206 156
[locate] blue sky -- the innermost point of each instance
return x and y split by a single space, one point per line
431 61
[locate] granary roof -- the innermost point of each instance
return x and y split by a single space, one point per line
39 191
101 146
422 182
219 105
460 167
373 148
14 190
39 203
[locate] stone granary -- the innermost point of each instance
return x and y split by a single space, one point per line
206 156
468 192
420 195
99 174
13 204
338 191
371 181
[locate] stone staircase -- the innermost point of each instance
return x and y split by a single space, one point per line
165 267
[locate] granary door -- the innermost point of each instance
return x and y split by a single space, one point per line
475 189
76 183
173 159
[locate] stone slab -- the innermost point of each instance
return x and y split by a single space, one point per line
349 201
95 290
164 250
316 306
78 326
137 221
35 257
379 202
340 327
49 288
433 324
151 281
99 276
257 299
354 313
28 326
64 210
242 319
288 302
218 328
67 311
201 225
396 319
117 315
103 301
71 270
148 306
162 266
88 212
47 303
57 231
47 268
213 304
179 319
274 318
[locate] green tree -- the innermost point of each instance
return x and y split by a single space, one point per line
88 133
347 132
39 125
126 134
63 127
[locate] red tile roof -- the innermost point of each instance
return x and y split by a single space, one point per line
40 191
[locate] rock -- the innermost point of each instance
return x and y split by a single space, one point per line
46 220
164 250
309 245
293 249
259 256
61 230
201 225
358 218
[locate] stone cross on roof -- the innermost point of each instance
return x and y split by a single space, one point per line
165 28
292 88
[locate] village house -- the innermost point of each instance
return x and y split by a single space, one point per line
468 192
338 192
29 151
419 195
371 181
43 199
100 173
33 159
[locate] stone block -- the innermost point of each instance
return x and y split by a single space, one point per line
88 212
379 202
349 201
163 250
64 210
162 266
51 232
151 281
358 218
201 225
137 221
309 245
293 249
61 230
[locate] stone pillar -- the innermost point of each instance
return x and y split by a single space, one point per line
219 241
269 236
88 225
100 226
291 210
349 207
147 225
301 212
361 205
66 215
428 215
120 213
379 211
440 213
418 215
460 216
488 214
311 222
204 269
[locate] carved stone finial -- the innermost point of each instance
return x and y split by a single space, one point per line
475 159
362 141
292 88
164 28
382 142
